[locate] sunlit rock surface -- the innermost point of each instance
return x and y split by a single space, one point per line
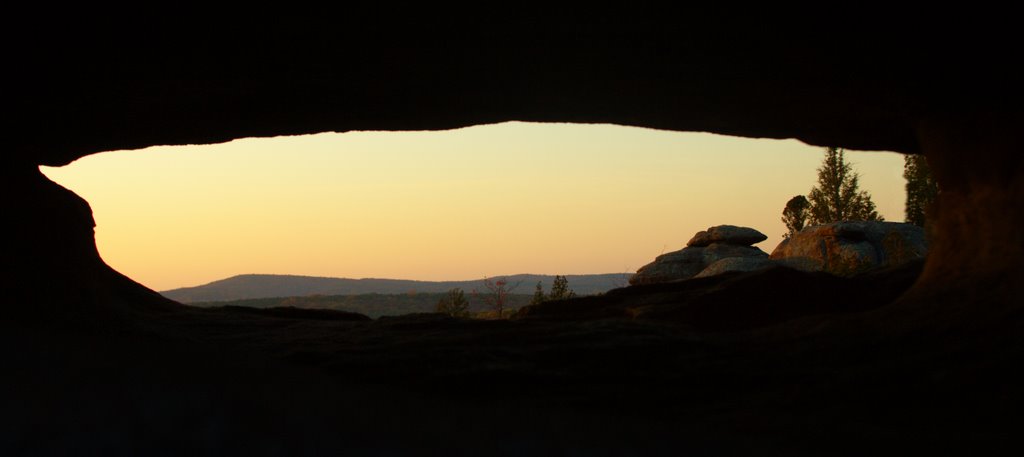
849 248
728 234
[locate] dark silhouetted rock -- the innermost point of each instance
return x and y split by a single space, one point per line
291 312
729 234
736 300
849 248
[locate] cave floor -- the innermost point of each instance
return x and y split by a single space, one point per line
821 381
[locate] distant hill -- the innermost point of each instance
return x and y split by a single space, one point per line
245 287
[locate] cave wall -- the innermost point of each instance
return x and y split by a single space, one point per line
975 262
953 98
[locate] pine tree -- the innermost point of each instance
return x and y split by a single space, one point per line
560 289
838 197
795 214
538 295
921 188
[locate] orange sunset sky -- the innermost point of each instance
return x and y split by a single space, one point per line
449 205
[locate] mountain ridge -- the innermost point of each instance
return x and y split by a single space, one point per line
251 286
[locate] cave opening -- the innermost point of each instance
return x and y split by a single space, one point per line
488 200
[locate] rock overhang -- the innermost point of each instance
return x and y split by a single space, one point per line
140 87
145 86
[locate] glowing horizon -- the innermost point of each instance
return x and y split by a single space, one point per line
488 200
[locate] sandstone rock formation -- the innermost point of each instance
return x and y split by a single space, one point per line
704 249
730 234
849 248
736 264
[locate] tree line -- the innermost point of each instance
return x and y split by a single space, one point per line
837 195
496 295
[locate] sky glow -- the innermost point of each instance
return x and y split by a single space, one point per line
451 205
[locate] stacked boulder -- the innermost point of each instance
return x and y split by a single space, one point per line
841 248
849 248
715 250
